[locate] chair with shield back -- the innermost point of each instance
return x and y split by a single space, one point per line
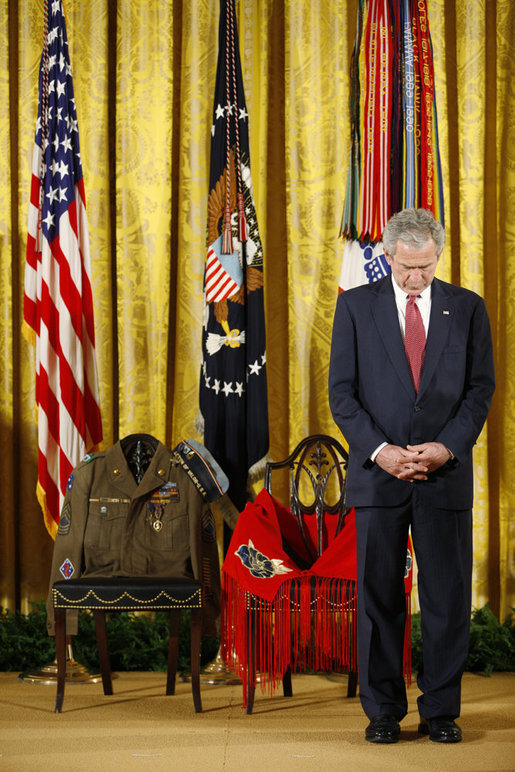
289 577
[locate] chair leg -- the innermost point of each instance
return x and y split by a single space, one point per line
60 650
353 674
352 683
195 644
103 656
251 665
173 650
287 688
251 691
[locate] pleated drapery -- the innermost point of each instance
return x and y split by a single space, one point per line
144 77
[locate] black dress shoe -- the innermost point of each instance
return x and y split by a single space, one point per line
441 729
383 729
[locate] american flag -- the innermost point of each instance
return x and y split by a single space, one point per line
58 304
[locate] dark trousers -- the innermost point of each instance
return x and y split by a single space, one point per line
442 540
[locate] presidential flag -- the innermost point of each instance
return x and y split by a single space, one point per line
233 386
394 154
58 304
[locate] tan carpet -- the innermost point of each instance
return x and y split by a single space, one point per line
138 728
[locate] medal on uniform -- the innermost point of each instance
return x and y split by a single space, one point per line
158 514
155 513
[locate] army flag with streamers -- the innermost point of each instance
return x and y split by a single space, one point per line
58 303
394 154
233 383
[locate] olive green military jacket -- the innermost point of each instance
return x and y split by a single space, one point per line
111 526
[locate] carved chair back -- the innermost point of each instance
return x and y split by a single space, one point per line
317 472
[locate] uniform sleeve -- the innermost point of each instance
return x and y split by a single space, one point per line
68 547
205 561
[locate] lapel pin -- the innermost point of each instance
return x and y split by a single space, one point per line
446 313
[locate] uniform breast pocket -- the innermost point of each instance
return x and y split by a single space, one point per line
105 525
167 525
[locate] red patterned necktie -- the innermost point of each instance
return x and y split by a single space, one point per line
414 340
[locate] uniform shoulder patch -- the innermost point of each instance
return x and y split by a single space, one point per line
208 527
89 457
67 569
65 519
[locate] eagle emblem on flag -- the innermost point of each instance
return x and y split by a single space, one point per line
225 279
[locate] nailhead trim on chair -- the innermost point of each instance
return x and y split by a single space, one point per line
342 606
61 601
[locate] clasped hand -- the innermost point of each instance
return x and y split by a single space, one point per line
414 462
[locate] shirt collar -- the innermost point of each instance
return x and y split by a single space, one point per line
401 295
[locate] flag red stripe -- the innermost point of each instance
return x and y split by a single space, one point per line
93 419
48 313
48 402
223 291
72 397
49 486
219 284
29 312
31 252
87 306
65 470
35 191
69 392
69 294
213 272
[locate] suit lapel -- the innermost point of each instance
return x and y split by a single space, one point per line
442 313
384 312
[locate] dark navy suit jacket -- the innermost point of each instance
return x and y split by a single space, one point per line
373 399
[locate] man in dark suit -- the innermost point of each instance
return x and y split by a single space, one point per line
410 386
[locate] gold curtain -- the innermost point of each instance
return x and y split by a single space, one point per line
144 83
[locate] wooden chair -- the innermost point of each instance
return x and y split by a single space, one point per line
142 593
316 469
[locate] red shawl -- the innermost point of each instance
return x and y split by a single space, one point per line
302 617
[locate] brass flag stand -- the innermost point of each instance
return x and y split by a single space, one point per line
216 672
75 672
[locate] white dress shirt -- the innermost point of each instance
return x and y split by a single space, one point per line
423 302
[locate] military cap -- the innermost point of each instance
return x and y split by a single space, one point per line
200 466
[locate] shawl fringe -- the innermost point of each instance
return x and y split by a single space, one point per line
310 625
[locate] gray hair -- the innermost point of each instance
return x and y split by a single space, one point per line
413 227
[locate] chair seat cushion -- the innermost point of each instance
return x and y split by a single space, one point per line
127 593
